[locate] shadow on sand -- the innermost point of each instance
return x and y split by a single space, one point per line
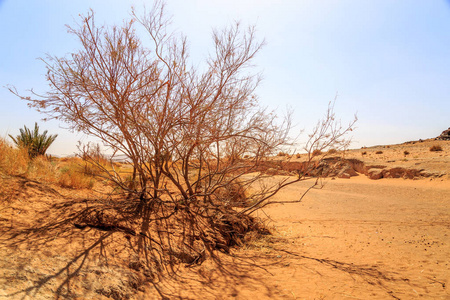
45 254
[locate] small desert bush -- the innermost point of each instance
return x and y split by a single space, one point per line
72 175
297 155
436 148
379 152
332 151
406 152
282 153
316 152
364 153
42 168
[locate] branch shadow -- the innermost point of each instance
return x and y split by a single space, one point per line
48 228
41 226
222 274
370 274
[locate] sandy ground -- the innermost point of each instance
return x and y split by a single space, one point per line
352 239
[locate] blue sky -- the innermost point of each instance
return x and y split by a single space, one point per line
388 61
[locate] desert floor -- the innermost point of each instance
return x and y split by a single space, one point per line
351 239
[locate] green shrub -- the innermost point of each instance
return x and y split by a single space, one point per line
35 143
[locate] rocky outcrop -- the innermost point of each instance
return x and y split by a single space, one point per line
344 168
445 135
399 172
374 173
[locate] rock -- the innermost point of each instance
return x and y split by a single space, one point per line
394 173
375 174
367 168
445 135
344 175
349 170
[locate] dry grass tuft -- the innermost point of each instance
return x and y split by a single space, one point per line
72 174
13 161
43 169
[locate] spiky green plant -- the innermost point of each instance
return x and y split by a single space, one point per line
33 141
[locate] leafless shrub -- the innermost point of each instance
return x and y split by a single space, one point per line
406 152
183 130
329 133
379 152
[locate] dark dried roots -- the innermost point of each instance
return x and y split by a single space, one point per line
177 235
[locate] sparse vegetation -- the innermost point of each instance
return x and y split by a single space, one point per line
13 161
66 172
379 152
406 152
436 148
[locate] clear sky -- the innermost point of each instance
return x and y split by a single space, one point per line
388 61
